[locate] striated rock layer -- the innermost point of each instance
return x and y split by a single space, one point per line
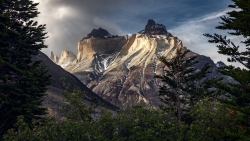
121 70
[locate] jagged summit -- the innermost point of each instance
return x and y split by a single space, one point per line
100 33
153 28
53 57
122 70
220 64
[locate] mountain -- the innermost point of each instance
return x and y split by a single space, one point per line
53 57
99 33
121 69
220 64
154 29
53 101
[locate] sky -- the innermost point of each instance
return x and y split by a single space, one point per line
68 21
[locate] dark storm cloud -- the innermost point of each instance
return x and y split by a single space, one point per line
68 21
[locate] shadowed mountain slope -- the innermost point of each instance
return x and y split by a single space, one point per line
53 100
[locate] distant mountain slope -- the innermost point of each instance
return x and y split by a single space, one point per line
54 99
121 69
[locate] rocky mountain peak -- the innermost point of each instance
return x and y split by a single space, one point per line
99 33
122 70
66 58
220 64
151 23
153 28
53 57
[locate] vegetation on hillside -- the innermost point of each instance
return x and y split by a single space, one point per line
195 109
182 83
236 96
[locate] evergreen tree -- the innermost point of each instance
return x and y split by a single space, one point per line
22 81
183 82
237 94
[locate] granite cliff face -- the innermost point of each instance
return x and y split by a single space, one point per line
121 70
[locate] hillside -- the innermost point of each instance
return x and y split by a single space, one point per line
53 100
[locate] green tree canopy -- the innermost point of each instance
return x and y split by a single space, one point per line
22 81
182 82
237 22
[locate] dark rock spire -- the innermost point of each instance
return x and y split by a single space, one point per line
153 28
99 33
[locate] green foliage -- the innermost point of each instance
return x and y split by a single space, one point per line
51 131
75 124
74 109
138 123
184 83
237 21
215 121
134 124
22 81
236 96
211 121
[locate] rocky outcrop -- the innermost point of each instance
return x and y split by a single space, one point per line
53 100
154 29
66 58
121 70
96 53
100 33
220 64
53 57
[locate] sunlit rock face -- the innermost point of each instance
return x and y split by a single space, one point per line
121 70
66 59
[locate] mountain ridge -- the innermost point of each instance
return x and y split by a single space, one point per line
121 70
153 28
53 101
99 33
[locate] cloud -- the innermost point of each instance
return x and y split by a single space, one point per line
68 21
191 34
214 15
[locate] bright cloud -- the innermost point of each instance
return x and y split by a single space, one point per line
69 21
191 33
214 15
61 12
